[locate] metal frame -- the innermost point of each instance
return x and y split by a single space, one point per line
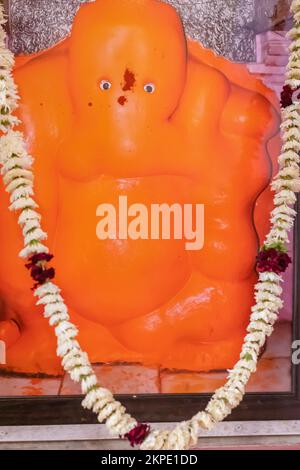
91 432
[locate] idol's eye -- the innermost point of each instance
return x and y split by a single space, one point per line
149 88
105 85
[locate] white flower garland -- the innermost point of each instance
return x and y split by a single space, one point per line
18 178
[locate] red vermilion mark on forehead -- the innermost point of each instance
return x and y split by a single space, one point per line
122 100
129 80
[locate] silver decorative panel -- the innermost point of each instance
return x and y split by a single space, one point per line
226 26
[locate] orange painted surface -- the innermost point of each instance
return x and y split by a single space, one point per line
201 137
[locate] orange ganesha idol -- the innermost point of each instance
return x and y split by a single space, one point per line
126 106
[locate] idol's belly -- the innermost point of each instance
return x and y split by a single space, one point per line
113 280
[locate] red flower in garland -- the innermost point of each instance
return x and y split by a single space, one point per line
38 268
37 258
287 96
138 434
41 275
273 260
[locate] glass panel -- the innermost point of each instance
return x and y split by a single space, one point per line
119 112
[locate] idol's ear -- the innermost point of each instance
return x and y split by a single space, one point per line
61 48
251 114
203 100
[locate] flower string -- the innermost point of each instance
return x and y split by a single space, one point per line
39 271
16 170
